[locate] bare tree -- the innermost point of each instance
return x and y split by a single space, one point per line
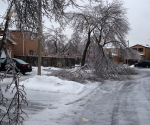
75 43
28 17
11 110
104 24
83 22
55 40
108 23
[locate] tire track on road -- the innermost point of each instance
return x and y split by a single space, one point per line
123 110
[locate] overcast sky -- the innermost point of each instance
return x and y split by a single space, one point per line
138 16
139 19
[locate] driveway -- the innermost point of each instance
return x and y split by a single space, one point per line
118 103
108 103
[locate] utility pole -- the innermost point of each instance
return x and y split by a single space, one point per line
39 35
128 47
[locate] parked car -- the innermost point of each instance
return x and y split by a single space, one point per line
142 64
21 65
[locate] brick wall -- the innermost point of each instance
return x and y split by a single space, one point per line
24 43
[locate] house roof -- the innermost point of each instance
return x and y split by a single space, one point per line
12 41
147 46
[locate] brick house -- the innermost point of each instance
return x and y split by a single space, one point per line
143 50
22 44
27 43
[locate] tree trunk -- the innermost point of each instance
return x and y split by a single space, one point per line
56 47
85 50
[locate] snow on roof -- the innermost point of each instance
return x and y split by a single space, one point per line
113 54
142 45
111 47
12 41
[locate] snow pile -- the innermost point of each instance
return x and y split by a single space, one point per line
45 70
132 66
53 84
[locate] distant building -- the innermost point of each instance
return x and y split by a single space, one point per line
143 50
27 43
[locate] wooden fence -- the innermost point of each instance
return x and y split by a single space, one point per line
49 61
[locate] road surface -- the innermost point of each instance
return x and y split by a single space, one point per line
111 103
121 103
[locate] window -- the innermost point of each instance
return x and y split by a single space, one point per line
140 49
31 52
135 49
31 35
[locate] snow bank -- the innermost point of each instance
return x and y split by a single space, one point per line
53 84
45 70
132 66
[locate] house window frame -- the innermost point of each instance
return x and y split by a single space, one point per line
140 49
135 49
31 52
31 36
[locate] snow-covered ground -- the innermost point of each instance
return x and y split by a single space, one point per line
51 98
53 101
